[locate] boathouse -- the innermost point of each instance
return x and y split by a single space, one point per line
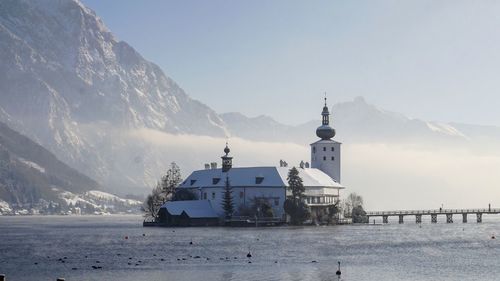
188 213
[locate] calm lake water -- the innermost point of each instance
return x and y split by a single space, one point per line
30 249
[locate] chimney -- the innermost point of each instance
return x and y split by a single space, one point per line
307 165
301 164
207 166
213 165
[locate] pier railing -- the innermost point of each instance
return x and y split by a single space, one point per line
433 211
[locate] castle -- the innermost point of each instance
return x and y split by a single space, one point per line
253 186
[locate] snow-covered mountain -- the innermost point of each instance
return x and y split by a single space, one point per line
28 172
68 83
354 121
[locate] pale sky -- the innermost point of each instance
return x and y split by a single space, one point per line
433 60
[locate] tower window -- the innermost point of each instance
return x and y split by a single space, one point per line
324 148
193 182
333 148
314 149
324 158
215 181
333 158
213 195
205 195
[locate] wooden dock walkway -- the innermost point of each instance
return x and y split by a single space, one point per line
433 213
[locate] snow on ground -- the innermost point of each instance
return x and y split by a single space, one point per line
32 165
104 196
4 207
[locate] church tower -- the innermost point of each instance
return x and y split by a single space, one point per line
325 153
227 161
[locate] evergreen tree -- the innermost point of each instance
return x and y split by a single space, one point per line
295 184
227 200
294 205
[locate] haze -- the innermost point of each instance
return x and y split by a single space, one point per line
434 60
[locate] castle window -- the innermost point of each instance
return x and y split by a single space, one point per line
314 149
213 195
324 158
324 148
333 148
215 181
193 182
259 180
333 158
205 195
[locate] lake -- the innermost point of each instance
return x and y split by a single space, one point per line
44 248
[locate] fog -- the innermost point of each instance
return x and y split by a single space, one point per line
387 175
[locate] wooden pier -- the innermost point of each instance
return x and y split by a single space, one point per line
433 214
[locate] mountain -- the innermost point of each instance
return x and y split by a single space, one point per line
354 121
69 84
28 172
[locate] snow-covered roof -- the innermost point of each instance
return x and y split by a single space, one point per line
193 208
311 177
257 177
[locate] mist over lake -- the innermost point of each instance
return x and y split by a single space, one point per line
367 252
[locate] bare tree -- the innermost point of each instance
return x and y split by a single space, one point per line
352 201
170 181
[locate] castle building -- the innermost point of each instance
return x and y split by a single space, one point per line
253 186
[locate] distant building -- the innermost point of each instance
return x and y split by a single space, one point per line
252 186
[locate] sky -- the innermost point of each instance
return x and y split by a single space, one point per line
432 60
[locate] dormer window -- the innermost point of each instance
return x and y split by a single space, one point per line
259 180
215 181
193 182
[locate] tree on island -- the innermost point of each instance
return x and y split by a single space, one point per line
227 200
163 192
354 208
294 204
170 181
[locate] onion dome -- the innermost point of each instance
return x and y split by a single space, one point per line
325 132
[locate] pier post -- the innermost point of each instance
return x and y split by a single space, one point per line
464 218
401 219
385 219
2 277
479 217
449 218
434 218
418 218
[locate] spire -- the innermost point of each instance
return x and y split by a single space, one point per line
325 132
227 161
226 149
325 114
